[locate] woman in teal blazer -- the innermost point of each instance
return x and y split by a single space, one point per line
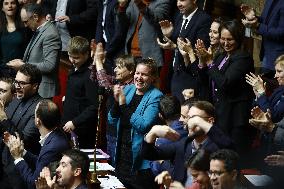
134 112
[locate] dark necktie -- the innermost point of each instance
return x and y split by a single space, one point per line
182 29
30 45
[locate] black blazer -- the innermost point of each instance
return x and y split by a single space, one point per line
23 123
82 14
187 77
233 96
179 152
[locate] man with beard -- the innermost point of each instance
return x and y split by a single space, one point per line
202 134
19 116
53 142
70 174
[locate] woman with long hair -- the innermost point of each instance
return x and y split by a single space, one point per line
13 35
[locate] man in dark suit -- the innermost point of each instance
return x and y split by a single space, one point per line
80 16
270 25
53 142
70 174
109 32
19 116
43 49
202 134
191 23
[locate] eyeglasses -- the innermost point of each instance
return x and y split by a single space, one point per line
216 173
21 84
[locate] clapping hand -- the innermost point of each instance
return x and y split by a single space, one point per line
261 120
169 44
205 55
15 145
257 83
166 27
185 48
119 95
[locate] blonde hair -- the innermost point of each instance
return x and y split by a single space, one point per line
280 61
78 45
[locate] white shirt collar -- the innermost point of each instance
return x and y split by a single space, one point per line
43 138
38 28
190 15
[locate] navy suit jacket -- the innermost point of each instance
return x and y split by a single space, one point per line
272 31
180 151
187 77
51 151
82 186
115 38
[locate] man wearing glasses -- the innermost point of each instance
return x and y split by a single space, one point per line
202 134
43 49
19 116
224 170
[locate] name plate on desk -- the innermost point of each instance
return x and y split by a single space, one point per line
101 167
110 182
100 155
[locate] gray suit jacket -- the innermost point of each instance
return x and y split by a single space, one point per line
149 28
43 52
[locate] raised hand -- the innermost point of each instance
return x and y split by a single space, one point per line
166 27
93 47
99 57
275 160
164 178
248 12
257 83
